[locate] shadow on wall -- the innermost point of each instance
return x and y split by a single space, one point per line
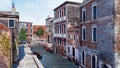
3 62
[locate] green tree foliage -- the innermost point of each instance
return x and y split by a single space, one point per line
23 35
40 32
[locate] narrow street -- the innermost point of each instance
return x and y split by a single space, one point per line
51 60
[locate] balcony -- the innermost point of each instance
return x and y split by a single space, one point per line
59 35
60 19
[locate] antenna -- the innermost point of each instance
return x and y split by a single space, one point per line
13 4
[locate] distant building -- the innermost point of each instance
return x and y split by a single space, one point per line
49 31
35 28
29 31
66 13
22 25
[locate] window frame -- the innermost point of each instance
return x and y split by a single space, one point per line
83 10
94 26
9 23
83 27
84 58
96 60
93 5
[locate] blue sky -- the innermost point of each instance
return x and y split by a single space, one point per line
35 11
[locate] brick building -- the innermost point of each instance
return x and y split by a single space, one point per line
49 31
73 43
99 34
68 12
29 31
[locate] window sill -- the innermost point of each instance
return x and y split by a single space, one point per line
94 41
83 40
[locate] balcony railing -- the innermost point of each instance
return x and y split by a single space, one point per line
59 35
60 19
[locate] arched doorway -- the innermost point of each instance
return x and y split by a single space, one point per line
104 66
94 61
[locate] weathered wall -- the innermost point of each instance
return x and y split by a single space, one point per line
117 33
104 47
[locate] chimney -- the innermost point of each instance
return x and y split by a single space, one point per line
13 9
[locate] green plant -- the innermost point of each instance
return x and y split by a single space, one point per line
40 32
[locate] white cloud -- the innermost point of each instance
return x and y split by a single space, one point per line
5 4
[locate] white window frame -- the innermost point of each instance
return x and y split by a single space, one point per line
83 27
96 60
9 22
84 58
101 64
83 9
94 26
94 4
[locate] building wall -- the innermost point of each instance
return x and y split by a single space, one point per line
117 35
103 49
73 42
5 45
29 31
69 14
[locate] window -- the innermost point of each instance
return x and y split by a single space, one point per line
26 30
73 52
64 11
74 37
64 42
94 33
83 15
83 33
68 36
60 42
93 61
83 58
60 28
94 11
64 28
68 49
11 23
31 30
60 13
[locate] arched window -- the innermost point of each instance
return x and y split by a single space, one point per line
104 66
83 57
94 61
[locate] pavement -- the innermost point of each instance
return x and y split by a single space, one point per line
51 60
29 60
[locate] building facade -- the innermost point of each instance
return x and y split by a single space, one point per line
29 31
99 34
11 20
68 12
73 43
49 31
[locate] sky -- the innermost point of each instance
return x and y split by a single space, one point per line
35 11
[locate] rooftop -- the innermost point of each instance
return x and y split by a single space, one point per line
67 2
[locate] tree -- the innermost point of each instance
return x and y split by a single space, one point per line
40 32
23 35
